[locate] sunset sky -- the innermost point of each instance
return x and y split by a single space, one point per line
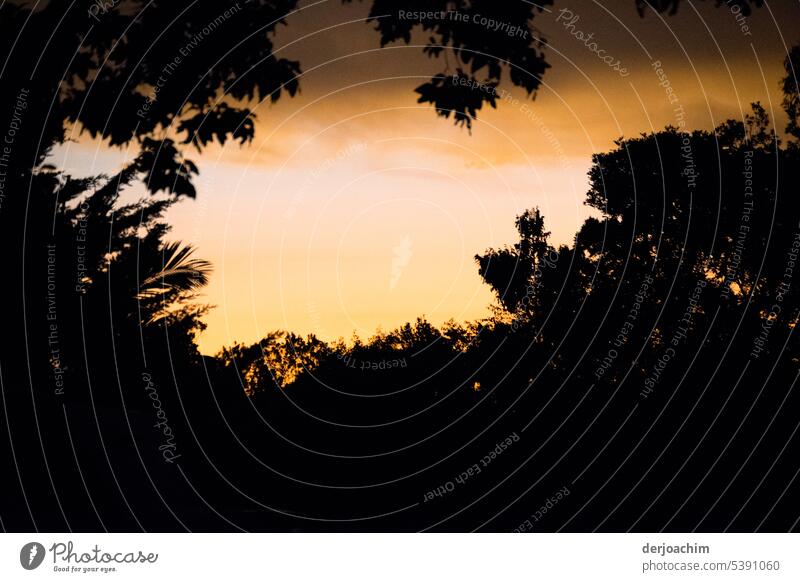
356 208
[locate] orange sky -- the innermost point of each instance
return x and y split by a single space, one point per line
356 208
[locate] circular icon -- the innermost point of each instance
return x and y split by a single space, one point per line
31 555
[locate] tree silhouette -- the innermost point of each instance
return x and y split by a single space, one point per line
672 305
165 75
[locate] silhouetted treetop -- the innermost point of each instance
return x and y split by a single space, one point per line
485 36
791 91
133 70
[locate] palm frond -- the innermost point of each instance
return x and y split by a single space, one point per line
181 272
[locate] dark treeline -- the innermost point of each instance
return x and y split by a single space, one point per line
642 377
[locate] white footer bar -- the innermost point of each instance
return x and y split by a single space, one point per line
400 557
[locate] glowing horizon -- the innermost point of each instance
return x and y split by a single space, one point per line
356 209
